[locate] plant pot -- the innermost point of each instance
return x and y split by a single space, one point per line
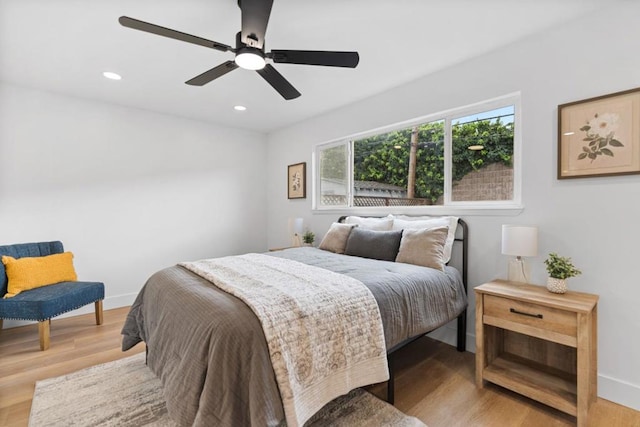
557 286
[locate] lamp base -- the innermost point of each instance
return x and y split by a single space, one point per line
519 271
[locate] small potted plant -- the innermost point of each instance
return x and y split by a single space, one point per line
308 238
559 269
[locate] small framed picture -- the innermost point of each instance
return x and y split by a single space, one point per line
297 181
600 136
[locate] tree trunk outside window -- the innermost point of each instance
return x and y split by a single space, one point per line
411 178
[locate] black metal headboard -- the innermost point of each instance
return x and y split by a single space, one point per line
465 249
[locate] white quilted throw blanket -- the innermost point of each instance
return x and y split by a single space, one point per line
323 329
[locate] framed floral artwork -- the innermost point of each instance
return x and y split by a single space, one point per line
296 181
600 136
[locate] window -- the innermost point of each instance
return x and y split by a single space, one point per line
482 161
404 167
334 169
464 157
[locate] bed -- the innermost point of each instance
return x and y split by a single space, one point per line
209 350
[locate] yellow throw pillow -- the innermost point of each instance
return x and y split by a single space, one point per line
30 273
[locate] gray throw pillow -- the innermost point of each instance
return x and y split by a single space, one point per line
382 245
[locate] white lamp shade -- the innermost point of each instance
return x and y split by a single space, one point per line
298 224
519 240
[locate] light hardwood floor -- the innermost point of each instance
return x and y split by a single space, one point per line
434 382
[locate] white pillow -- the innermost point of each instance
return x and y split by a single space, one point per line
377 224
336 238
403 222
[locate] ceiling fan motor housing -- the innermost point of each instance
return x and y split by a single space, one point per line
253 41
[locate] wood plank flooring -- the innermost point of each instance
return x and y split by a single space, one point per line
76 343
433 382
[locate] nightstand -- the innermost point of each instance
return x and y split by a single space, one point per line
538 344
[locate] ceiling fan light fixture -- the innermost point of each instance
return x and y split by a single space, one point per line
250 59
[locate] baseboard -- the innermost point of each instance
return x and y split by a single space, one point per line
619 391
613 389
449 334
108 303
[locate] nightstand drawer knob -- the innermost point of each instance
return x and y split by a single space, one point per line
513 310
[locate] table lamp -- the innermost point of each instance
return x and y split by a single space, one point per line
298 224
519 241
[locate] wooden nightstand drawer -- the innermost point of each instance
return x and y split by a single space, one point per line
533 319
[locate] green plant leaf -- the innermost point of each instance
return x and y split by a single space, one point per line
593 142
592 156
607 152
560 267
603 143
585 128
582 156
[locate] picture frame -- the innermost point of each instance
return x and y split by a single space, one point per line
600 136
297 181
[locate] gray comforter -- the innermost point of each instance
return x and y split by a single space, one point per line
208 349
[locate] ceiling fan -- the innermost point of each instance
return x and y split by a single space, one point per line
249 50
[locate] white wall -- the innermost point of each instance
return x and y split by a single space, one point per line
128 191
593 220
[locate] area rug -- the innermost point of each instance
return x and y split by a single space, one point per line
127 393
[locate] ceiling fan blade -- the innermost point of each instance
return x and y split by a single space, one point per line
136 24
316 57
255 17
212 74
279 83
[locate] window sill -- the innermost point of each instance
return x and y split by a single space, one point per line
477 210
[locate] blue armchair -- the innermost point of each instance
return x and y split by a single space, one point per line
41 304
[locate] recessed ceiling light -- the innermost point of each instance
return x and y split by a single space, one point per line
112 76
239 108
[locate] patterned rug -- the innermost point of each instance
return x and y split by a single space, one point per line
127 393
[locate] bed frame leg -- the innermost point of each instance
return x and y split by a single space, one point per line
390 383
462 331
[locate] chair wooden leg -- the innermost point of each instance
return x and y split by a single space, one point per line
99 312
44 328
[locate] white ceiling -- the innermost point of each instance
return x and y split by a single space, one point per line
64 46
